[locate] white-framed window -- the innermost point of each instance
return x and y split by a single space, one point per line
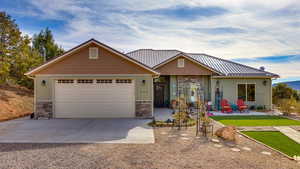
123 81
104 80
85 81
246 92
93 53
180 63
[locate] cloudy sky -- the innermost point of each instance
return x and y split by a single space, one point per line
253 32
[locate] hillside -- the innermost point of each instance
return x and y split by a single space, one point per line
293 84
15 102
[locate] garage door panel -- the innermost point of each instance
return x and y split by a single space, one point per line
94 100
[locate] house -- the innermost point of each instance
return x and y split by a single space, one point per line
93 80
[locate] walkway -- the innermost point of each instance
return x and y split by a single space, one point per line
291 133
237 113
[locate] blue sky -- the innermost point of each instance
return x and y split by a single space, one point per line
256 33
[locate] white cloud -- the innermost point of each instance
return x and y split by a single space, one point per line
119 24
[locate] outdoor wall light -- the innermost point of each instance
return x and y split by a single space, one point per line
43 82
143 81
264 82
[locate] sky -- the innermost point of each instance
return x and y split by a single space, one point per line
256 33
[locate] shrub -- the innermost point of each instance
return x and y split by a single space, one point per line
260 107
287 106
252 107
190 122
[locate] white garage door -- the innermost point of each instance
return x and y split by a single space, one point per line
94 98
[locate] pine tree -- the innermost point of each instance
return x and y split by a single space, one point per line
16 55
10 38
44 43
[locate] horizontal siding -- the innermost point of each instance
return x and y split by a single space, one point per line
263 93
142 91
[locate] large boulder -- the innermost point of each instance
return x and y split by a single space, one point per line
227 133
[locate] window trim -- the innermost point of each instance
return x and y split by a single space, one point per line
90 53
246 85
180 63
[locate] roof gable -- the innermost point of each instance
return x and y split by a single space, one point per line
190 68
139 67
224 67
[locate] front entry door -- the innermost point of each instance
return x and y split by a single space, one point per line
159 95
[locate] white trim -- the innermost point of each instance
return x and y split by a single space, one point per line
89 75
143 100
53 97
152 106
187 57
242 77
83 45
246 99
34 95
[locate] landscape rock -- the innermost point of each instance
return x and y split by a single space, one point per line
227 133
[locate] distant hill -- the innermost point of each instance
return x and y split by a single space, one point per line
293 84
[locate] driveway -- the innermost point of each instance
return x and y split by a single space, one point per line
76 131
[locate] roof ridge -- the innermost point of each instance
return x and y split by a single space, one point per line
233 62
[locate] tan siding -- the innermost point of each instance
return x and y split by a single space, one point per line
107 63
142 91
229 88
190 68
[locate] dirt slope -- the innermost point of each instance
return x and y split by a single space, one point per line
15 102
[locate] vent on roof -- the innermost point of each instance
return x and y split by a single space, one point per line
93 53
262 68
180 63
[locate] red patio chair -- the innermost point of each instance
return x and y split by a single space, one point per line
241 105
226 106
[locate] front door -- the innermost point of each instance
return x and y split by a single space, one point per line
159 90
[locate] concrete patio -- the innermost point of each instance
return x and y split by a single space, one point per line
166 113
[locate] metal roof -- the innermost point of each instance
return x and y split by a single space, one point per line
152 58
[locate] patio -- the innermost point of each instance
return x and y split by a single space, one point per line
164 114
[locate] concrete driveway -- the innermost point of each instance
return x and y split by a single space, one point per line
76 131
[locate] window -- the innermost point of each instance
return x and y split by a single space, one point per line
246 92
65 81
104 80
123 81
180 63
251 92
93 53
85 81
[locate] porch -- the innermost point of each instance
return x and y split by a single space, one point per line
164 114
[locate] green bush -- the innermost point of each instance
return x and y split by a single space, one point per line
288 106
159 123
260 108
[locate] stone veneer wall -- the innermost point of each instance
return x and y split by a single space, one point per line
44 109
143 109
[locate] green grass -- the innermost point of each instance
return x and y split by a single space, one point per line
277 141
255 120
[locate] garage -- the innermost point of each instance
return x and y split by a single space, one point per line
94 98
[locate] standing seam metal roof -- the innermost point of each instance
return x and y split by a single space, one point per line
153 58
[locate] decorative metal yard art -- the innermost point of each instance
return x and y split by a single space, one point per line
188 95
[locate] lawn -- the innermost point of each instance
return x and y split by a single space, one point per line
255 120
276 140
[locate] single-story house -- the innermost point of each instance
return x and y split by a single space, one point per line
93 80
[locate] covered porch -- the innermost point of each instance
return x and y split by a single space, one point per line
191 87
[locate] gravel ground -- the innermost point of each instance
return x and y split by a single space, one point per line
169 151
